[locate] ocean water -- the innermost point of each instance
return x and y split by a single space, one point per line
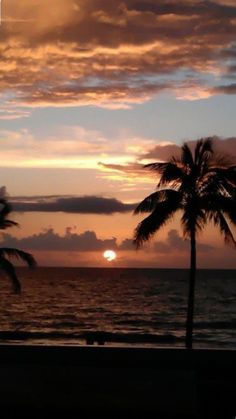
141 307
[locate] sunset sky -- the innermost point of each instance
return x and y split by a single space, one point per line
90 91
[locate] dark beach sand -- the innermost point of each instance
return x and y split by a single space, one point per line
116 382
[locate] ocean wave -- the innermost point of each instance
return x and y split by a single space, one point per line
219 324
139 306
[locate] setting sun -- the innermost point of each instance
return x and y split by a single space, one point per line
109 255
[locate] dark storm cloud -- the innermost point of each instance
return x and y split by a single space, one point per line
78 205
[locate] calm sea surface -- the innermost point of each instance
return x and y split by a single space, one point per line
144 307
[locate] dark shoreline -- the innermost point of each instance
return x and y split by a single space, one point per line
118 381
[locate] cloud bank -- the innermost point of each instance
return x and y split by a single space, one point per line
87 241
176 243
115 53
49 240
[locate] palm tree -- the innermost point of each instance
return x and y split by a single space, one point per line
9 253
202 185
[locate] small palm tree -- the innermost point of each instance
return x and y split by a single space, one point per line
202 185
9 253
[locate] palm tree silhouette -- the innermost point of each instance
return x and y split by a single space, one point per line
202 184
7 253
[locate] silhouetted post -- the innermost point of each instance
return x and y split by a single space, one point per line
192 275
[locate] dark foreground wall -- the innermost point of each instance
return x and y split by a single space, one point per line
111 382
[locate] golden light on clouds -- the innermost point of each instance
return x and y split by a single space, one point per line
73 147
88 93
128 52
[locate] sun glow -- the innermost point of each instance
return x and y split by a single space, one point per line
109 255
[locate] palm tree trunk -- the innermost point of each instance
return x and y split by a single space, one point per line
192 275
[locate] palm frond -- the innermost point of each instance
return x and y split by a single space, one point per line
203 151
18 254
156 166
231 174
4 224
226 174
193 218
8 253
6 207
214 183
151 201
219 160
9 269
220 202
202 156
207 148
187 157
157 219
4 212
169 171
220 221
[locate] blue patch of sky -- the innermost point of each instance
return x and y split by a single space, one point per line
92 82
164 118
182 75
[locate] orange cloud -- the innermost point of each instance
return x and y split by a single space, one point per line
162 151
113 53
69 147
14 113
